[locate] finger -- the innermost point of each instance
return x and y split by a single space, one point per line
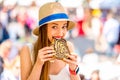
49 52
70 61
72 57
75 55
43 56
46 52
49 55
46 48
47 59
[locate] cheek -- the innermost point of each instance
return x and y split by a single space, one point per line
50 35
65 32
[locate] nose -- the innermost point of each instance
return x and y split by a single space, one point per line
60 32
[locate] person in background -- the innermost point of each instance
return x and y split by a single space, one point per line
111 32
90 57
95 75
5 49
36 58
4 35
90 61
117 48
5 74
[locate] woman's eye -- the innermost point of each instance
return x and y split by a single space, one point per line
54 27
64 27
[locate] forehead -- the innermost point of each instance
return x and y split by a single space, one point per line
58 22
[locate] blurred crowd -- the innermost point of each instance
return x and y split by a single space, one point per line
16 24
100 25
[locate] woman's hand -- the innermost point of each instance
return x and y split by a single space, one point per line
72 61
45 54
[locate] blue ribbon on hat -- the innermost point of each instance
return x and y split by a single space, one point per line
53 17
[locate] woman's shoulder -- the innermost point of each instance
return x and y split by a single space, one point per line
26 50
26 53
27 46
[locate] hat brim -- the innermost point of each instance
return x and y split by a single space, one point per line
70 26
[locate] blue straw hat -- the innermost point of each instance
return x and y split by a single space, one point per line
50 12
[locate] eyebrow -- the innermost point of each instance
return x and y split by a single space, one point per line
57 24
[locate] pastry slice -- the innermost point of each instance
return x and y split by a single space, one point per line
61 48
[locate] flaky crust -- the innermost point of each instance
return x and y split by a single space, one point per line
61 48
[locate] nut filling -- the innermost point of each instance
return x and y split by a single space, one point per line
61 48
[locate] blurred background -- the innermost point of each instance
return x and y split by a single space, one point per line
96 36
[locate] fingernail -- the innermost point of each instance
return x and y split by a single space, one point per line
64 59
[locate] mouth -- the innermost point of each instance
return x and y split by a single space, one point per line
57 37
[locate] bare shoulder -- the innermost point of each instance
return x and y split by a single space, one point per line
70 46
25 62
25 53
24 49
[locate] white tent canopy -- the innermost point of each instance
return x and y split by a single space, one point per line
104 3
66 3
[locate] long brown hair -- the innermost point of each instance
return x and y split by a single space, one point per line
41 42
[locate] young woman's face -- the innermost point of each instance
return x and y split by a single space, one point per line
57 29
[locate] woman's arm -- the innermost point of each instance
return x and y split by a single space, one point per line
73 61
28 72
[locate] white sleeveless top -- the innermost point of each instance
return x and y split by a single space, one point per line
63 74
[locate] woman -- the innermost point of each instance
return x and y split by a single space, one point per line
36 62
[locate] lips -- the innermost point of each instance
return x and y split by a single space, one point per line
57 37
